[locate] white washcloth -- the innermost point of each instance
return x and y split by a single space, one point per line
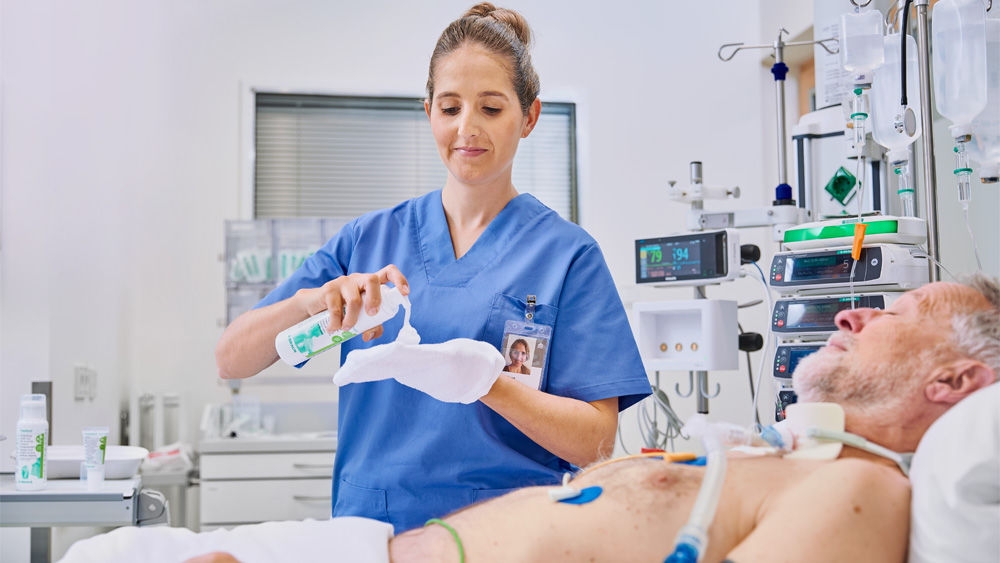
457 371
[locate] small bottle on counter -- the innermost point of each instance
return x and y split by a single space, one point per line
32 444
310 337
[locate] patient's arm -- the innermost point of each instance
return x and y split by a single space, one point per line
848 510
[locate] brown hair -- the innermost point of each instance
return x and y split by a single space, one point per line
501 31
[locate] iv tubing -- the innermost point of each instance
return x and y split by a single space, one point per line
972 237
692 539
903 31
764 350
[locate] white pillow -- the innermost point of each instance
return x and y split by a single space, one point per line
955 477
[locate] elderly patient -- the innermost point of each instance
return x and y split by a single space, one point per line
894 372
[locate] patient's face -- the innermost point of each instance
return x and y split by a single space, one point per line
879 358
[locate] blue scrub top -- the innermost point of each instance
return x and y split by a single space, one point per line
403 456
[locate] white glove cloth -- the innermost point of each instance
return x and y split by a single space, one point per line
457 371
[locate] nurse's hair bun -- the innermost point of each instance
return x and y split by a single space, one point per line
513 20
503 32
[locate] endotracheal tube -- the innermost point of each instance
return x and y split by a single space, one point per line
716 437
692 539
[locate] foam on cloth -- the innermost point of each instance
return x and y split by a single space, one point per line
955 479
456 371
346 539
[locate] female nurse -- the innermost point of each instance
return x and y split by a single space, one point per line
478 260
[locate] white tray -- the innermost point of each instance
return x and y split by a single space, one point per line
120 462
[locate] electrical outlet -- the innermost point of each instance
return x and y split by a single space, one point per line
84 383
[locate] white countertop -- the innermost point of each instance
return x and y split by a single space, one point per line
260 443
67 502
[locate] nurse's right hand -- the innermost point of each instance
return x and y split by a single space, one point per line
345 296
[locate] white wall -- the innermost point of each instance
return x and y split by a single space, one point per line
121 153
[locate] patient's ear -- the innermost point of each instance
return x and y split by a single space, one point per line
958 380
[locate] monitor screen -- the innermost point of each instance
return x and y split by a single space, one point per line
683 257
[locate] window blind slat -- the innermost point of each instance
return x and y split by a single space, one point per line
345 156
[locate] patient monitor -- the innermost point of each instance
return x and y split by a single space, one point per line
697 258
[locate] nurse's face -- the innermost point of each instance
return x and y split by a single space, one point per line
518 354
476 117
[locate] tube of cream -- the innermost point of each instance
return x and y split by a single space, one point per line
95 443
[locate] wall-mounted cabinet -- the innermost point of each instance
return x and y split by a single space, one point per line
262 253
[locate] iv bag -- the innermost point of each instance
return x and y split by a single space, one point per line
861 42
886 95
958 46
985 146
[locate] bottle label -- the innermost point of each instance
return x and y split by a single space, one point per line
30 455
315 341
311 337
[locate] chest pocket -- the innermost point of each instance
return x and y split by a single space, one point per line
507 308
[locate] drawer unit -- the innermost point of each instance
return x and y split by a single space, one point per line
259 500
267 466
260 481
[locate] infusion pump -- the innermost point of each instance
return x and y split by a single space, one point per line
814 317
786 358
880 267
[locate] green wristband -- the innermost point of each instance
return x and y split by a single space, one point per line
454 534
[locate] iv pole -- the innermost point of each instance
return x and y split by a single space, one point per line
783 193
927 142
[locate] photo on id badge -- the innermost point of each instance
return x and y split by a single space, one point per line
524 352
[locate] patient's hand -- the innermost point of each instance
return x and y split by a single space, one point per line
214 557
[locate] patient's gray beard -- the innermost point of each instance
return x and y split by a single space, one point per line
815 378
830 376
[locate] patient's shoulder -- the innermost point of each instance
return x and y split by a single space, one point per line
845 482
853 474
854 493
864 501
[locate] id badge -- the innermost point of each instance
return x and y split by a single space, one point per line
525 348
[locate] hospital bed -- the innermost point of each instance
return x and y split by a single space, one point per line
955 510
63 502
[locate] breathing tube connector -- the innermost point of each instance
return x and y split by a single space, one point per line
692 538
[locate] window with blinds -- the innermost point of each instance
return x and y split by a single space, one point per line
343 156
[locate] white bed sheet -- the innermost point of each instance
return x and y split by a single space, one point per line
340 540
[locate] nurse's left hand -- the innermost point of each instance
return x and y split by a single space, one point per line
456 371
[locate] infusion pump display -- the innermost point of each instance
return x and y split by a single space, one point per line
804 317
699 258
788 356
881 266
